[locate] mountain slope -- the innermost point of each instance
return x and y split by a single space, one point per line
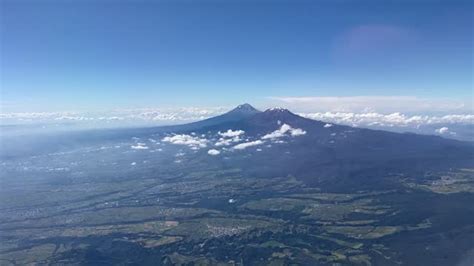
329 153
241 112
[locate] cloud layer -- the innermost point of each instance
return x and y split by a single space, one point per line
400 113
139 115
381 104
388 120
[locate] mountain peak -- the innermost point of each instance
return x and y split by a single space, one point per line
245 108
279 113
240 112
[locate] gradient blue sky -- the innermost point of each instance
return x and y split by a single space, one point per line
63 55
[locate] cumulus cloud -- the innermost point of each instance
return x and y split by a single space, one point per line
327 125
284 130
245 145
188 140
228 137
278 133
223 142
297 132
139 146
442 131
231 133
213 152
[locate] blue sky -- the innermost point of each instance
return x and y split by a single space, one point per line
68 55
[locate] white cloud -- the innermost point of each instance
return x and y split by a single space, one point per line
278 133
230 133
223 142
442 131
283 130
245 145
139 146
327 125
297 132
229 137
213 152
188 140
